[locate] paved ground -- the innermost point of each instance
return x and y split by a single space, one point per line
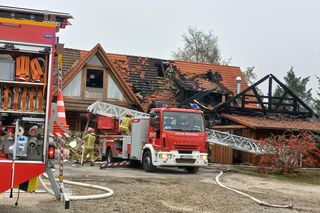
170 190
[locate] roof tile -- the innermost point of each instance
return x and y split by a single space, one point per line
142 77
258 122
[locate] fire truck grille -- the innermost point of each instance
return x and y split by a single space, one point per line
185 160
185 147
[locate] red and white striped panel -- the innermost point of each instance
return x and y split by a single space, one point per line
106 164
61 110
59 134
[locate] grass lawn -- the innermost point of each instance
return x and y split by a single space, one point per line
307 176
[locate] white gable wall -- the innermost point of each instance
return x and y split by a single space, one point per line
73 89
113 90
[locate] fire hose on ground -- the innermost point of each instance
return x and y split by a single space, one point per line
260 202
109 192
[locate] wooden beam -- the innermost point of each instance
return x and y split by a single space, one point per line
277 98
294 96
270 94
243 100
295 106
196 96
281 99
258 98
240 94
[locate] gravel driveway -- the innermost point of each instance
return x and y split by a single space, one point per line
170 190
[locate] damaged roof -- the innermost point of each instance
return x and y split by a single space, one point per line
265 122
227 80
150 79
143 77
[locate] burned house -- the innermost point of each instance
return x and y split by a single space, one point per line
254 115
136 82
220 91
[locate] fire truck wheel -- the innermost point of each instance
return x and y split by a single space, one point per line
147 162
192 169
109 157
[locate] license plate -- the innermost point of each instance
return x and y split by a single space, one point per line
186 156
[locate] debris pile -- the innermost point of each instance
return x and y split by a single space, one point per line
74 149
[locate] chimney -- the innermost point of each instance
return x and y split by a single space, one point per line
238 80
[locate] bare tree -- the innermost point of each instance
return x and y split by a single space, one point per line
199 47
249 75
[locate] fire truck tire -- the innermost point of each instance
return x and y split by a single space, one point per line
109 157
193 169
147 162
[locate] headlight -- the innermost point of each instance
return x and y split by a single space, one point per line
164 156
204 157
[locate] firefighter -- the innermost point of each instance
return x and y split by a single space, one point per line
90 139
125 126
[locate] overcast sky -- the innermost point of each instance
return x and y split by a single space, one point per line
271 35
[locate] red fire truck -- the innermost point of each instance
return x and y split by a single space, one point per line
27 52
167 137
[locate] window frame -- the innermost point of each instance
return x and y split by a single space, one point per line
84 80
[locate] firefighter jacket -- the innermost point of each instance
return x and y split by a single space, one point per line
89 141
126 123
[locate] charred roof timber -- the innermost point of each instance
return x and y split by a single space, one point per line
214 76
249 101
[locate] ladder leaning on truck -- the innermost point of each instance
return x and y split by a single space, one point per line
151 143
165 137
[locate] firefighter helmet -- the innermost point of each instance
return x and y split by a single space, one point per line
91 130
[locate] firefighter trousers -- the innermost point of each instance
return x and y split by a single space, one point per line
89 151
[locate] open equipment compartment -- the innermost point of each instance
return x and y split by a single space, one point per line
25 72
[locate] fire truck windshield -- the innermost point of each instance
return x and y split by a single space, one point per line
183 121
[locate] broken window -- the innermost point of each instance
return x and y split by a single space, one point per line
160 70
73 89
94 84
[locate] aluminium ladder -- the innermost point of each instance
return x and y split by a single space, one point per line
213 136
111 110
233 141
